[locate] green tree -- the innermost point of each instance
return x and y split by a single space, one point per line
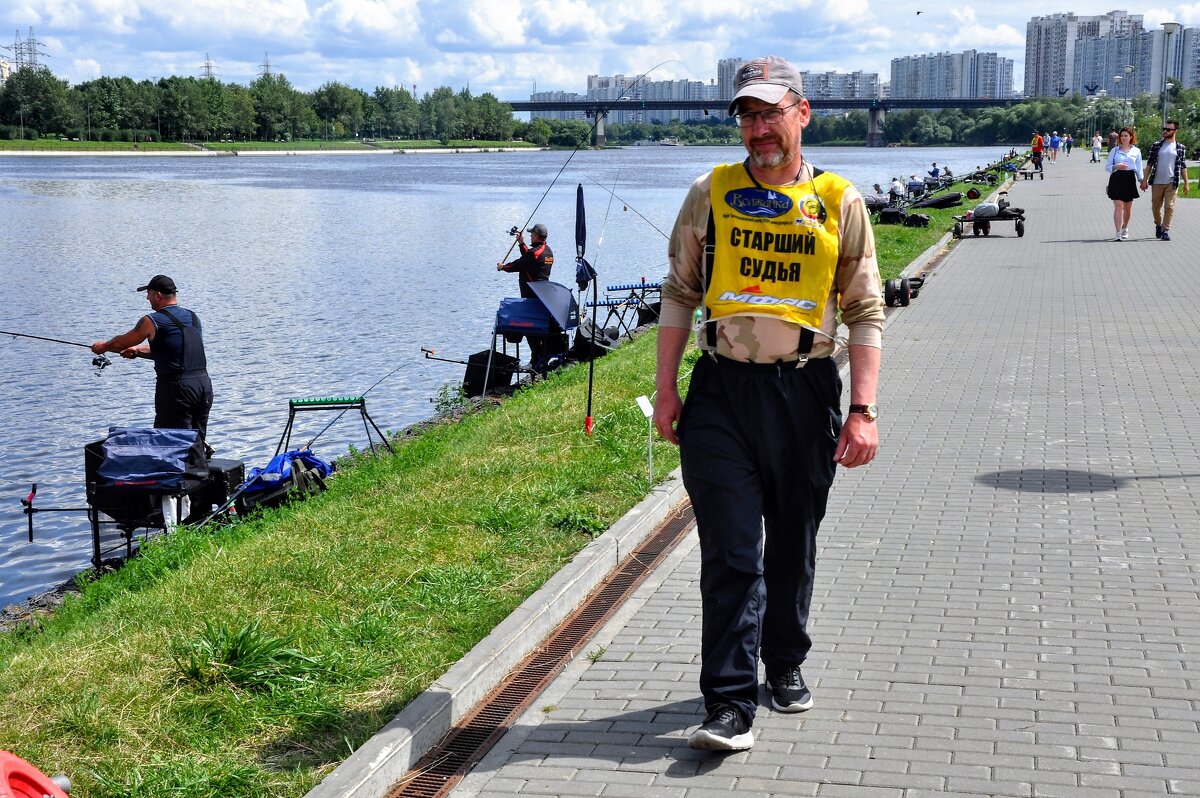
33 98
538 132
336 104
273 102
441 113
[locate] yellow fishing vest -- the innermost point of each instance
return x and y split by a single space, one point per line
774 249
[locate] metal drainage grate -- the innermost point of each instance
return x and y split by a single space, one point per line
444 766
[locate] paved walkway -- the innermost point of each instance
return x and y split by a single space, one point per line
1008 601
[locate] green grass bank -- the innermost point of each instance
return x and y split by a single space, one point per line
251 659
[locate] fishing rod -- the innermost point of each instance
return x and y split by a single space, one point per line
99 361
364 393
613 194
585 138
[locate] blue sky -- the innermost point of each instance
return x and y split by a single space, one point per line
506 46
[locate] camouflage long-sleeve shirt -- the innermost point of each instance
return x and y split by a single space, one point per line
856 289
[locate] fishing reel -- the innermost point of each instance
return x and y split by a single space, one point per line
101 362
514 231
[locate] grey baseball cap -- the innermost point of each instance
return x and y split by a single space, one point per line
538 229
768 79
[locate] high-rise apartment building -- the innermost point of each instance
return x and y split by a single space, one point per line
840 85
969 74
1141 60
726 75
5 71
557 97
1051 41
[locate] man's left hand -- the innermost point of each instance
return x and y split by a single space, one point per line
858 443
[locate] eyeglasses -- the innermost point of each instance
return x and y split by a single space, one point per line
1170 129
770 116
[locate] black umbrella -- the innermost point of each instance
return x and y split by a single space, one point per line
558 301
584 274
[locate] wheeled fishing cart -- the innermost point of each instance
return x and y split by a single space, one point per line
981 223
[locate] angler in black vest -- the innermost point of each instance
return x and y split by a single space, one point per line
171 337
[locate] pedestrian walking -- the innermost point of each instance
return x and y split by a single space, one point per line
1125 166
1165 166
762 429
1097 144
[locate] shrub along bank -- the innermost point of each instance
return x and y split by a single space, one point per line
250 660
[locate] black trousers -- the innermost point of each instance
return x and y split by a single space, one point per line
757 445
183 403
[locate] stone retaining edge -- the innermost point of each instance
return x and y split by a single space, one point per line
376 766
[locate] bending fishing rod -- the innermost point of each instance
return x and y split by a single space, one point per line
99 361
587 136
613 194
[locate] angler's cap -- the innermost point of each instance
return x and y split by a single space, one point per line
539 229
768 79
160 283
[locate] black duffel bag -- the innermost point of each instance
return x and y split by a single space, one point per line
892 216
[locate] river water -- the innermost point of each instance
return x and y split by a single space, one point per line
314 275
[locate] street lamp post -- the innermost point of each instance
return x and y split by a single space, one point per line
1128 91
1116 90
1169 29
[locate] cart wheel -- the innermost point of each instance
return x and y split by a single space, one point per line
958 230
987 228
975 228
889 293
905 294
1020 228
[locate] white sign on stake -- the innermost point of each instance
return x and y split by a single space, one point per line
648 412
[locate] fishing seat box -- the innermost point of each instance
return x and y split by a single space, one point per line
501 376
224 478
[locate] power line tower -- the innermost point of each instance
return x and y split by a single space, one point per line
208 70
26 53
265 66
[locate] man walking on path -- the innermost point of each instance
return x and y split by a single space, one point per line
762 430
1165 166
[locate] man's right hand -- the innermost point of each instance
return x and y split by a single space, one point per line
667 409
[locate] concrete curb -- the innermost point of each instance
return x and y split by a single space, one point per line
384 759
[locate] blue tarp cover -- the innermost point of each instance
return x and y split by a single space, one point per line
279 471
151 458
523 317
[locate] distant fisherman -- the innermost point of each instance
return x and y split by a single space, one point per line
183 395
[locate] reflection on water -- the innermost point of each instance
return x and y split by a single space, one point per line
313 275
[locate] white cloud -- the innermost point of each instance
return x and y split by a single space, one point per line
391 19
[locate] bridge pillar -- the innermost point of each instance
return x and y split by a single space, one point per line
600 130
875 118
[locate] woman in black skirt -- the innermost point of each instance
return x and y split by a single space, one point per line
1125 164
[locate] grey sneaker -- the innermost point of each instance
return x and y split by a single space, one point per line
723 730
1165 236
788 691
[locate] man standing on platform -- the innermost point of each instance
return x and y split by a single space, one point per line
183 395
1165 166
772 249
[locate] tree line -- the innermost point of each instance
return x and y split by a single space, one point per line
34 101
